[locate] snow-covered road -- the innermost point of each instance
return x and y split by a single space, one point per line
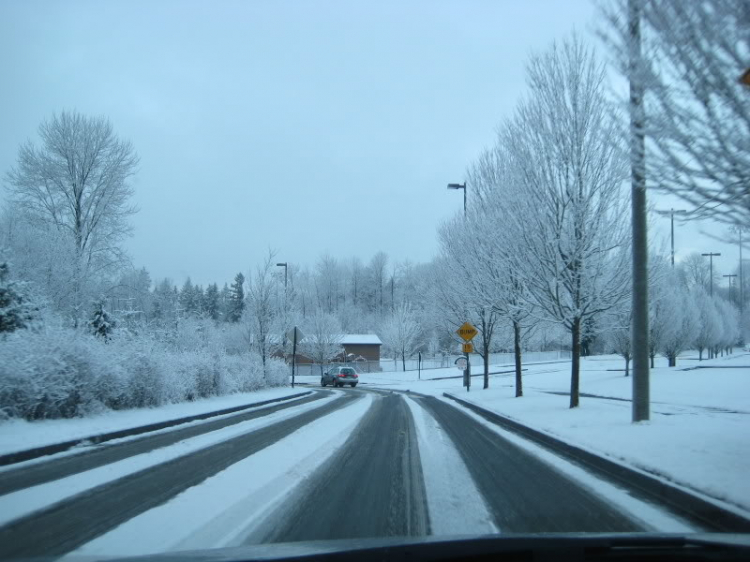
353 463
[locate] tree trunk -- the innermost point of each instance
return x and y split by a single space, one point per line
627 364
575 369
700 354
517 354
403 360
653 355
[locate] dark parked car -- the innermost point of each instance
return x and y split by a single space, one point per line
339 376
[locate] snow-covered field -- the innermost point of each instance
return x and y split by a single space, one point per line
17 435
698 436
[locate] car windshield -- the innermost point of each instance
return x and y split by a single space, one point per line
297 271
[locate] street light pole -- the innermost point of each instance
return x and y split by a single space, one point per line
711 271
467 371
284 265
459 186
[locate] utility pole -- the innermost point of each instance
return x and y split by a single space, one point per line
467 371
730 282
639 326
711 270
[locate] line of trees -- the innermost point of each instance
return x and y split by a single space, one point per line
540 259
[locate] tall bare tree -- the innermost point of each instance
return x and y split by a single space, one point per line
401 332
78 181
261 311
570 211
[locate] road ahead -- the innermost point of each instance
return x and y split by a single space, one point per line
372 484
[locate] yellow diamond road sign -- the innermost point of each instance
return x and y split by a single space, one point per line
467 331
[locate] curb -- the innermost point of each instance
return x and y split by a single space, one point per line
688 505
36 452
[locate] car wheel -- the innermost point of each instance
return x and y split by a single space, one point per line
322 382
353 384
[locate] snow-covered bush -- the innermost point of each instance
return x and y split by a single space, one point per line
277 373
61 372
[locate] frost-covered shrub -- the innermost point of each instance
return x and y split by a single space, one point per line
56 373
277 373
145 383
60 372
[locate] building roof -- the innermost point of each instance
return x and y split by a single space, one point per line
360 339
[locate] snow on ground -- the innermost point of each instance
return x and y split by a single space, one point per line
18 435
698 436
454 503
223 509
26 501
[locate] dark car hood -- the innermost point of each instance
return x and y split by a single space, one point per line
557 546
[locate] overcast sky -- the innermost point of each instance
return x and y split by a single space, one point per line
305 127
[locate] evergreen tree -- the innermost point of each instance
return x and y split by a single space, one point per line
225 297
199 300
187 298
212 301
236 298
16 311
101 322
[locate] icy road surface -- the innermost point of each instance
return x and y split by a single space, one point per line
352 463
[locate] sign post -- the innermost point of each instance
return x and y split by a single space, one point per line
467 333
295 335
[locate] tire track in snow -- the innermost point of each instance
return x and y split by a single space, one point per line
372 487
54 469
69 524
524 493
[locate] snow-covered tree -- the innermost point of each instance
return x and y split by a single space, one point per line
322 341
236 304
493 249
710 325
618 335
680 318
695 271
401 332
77 182
695 53
101 322
212 301
376 273
570 215
188 302
730 324
261 311
16 310
701 50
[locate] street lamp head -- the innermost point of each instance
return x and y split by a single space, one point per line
281 264
456 186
